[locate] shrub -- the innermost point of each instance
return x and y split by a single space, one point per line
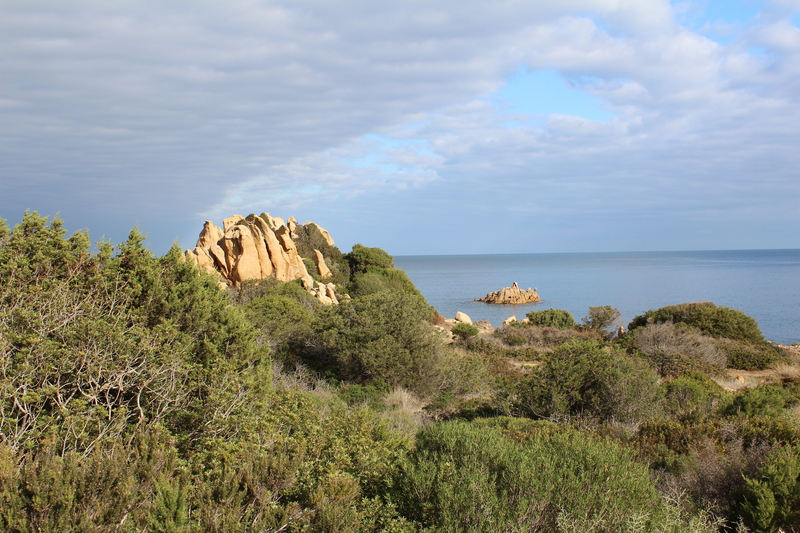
771 499
468 477
601 317
707 317
674 349
582 379
552 318
746 356
385 335
363 259
464 330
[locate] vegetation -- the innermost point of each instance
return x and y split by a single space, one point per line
602 317
135 395
552 318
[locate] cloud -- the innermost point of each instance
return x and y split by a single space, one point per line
166 114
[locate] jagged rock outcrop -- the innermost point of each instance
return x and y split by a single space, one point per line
259 247
511 295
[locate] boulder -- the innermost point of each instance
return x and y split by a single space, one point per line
322 268
482 324
511 295
463 318
510 320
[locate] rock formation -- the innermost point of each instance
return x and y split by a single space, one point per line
322 268
511 295
463 318
259 247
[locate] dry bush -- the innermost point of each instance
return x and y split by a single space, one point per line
674 349
402 400
404 413
297 378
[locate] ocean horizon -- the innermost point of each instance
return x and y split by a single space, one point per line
764 284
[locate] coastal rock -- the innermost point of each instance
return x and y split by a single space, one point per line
511 295
463 318
510 320
260 247
482 324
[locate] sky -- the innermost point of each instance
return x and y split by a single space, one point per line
420 127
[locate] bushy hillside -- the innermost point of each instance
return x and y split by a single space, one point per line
139 396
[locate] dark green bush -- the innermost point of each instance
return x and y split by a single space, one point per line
705 316
464 331
467 477
692 390
771 499
770 399
552 318
582 379
386 335
601 317
747 356
363 259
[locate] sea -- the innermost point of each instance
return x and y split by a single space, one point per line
764 284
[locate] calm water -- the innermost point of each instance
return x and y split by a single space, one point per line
765 284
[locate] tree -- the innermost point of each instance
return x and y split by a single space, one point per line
601 317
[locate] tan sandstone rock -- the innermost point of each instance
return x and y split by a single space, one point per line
210 235
231 221
241 254
260 247
322 268
463 318
511 295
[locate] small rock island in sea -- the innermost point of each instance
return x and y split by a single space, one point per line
511 295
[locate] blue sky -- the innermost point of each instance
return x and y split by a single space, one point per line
418 127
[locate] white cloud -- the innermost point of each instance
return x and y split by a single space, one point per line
152 111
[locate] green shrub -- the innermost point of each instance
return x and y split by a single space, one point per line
770 399
472 477
464 330
692 390
745 356
582 379
552 318
771 499
363 259
601 317
386 335
705 316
